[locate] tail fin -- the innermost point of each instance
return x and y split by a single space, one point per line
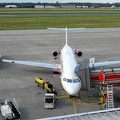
66 36
66 29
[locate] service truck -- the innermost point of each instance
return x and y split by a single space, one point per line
6 110
9 109
49 100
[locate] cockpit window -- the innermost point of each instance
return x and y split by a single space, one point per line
69 80
75 80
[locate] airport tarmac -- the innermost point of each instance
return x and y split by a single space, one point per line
17 81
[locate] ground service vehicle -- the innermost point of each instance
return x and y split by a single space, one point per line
49 100
9 109
45 85
6 110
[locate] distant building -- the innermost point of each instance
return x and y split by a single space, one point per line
39 6
113 6
68 6
92 6
82 6
11 6
50 6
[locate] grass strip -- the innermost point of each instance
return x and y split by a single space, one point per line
16 23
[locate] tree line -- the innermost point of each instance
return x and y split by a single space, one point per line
57 4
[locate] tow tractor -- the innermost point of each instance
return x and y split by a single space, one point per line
9 109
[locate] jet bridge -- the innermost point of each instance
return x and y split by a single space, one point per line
83 73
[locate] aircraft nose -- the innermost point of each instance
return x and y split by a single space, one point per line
74 89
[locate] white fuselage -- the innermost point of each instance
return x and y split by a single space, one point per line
70 81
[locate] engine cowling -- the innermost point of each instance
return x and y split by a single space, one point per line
56 53
78 52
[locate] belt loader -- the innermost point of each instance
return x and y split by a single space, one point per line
45 85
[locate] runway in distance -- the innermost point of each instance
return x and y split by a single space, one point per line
70 81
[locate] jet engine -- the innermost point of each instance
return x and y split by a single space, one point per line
56 53
78 52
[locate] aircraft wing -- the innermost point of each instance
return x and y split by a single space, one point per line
38 64
102 64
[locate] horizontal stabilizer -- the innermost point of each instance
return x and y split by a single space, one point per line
65 28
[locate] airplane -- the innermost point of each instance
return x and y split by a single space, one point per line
71 82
